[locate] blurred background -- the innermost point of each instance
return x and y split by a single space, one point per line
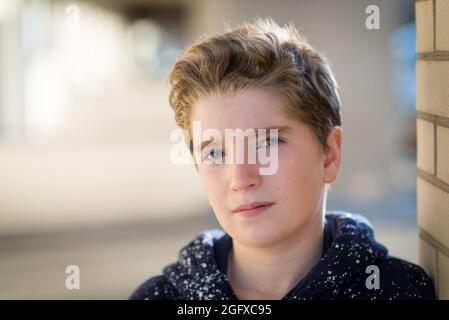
85 176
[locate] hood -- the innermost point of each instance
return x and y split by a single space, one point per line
196 274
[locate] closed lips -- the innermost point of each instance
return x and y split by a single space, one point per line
251 206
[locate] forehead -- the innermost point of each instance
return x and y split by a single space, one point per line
252 108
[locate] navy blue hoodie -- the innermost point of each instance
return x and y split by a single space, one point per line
343 272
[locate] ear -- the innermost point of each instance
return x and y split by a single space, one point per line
333 155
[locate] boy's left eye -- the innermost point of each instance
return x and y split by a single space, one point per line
269 141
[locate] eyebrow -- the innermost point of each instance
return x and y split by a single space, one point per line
204 143
280 129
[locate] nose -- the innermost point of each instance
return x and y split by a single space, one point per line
244 177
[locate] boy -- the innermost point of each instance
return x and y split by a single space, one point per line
279 242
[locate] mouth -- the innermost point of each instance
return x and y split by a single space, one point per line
253 208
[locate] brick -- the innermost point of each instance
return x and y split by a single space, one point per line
443 154
443 278
432 83
428 259
433 211
424 26
442 25
425 142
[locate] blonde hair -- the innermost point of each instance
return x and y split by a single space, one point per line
258 55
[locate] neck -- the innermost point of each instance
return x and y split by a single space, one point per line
271 272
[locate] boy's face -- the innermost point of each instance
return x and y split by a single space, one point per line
295 191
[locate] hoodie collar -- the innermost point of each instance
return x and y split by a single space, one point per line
353 248
196 274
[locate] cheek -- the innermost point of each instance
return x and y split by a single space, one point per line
300 177
215 185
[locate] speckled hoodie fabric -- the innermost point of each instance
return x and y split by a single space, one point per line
340 274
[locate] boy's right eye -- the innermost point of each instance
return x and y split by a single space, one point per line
214 154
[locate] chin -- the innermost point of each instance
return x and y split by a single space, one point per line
258 236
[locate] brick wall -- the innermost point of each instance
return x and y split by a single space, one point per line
432 104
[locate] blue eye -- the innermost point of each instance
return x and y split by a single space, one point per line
214 154
269 141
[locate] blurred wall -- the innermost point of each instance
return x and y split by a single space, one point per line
85 121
